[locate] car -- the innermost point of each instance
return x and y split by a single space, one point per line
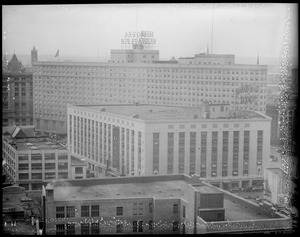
257 188
235 189
247 189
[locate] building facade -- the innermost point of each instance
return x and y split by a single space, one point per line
17 95
151 139
186 82
32 161
272 111
275 190
163 204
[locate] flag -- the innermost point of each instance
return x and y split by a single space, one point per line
57 53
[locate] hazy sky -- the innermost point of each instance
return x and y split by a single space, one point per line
180 30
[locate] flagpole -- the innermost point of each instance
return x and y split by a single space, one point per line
44 209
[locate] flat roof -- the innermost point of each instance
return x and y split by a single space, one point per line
236 212
277 171
104 189
37 144
162 112
207 189
149 112
160 187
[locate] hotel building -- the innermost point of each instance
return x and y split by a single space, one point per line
163 204
137 75
225 149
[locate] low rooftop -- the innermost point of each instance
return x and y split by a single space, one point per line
164 186
277 171
37 144
160 186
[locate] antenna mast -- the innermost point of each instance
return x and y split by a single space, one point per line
137 20
212 30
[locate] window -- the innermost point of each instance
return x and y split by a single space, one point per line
119 228
23 176
119 211
36 166
140 209
60 229
134 209
50 175
175 208
95 229
150 207
70 229
36 176
85 228
78 170
140 223
150 225
175 226
36 186
37 156
62 157
23 157
134 226
62 175
49 156
63 166
23 166
94 210
85 211
50 166
70 211
60 212
183 211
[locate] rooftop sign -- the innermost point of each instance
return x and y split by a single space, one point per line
145 38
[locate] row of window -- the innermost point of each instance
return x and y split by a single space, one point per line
49 175
38 156
94 228
62 69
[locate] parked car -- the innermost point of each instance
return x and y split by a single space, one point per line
235 189
247 189
257 188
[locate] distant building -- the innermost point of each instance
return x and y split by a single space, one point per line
272 111
30 161
137 75
34 56
228 150
275 186
163 204
18 211
17 95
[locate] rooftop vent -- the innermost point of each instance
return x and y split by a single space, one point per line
103 109
135 116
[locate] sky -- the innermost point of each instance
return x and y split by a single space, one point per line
181 30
